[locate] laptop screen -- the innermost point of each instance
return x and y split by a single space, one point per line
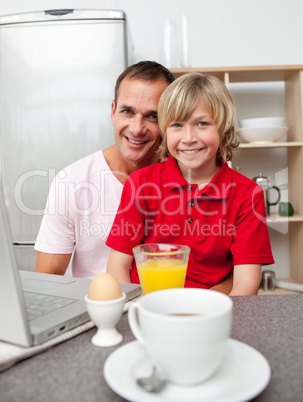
14 325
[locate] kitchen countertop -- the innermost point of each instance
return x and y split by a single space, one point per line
73 370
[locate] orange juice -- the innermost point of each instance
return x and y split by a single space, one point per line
161 274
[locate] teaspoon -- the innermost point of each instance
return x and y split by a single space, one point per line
154 383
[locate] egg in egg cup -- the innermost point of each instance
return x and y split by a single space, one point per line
106 315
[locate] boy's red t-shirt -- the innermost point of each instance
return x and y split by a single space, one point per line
224 223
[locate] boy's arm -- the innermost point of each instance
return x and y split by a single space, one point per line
246 280
225 285
119 265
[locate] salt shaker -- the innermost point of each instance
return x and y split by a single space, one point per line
268 280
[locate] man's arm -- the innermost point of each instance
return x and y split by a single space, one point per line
119 265
246 281
52 263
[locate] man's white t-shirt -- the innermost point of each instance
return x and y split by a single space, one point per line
80 210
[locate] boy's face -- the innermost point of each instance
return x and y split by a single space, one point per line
194 144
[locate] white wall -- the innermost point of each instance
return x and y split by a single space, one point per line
223 32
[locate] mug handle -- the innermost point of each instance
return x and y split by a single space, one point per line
133 322
279 196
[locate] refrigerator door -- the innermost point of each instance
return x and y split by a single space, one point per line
57 77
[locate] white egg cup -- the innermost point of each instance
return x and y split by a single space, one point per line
106 315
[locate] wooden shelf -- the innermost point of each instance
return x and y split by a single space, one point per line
275 218
244 73
283 286
243 145
292 75
277 291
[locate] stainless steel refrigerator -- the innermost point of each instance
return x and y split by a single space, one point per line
57 75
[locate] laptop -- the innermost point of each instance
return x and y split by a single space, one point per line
19 323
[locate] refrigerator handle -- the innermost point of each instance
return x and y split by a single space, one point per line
59 12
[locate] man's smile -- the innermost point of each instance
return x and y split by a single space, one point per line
136 142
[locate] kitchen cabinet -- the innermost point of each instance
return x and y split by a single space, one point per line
292 76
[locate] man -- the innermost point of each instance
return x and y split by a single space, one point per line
85 196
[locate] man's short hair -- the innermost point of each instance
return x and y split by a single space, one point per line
144 70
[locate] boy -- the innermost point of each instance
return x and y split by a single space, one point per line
194 198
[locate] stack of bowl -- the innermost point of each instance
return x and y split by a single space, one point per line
262 130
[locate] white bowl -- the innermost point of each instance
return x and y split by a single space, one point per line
262 122
262 135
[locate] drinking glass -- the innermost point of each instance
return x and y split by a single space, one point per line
161 266
169 50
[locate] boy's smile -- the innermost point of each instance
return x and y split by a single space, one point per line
194 144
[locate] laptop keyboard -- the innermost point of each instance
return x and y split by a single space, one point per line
38 304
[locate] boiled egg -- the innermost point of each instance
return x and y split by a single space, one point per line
104 286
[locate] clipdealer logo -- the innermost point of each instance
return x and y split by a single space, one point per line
98 201
163 230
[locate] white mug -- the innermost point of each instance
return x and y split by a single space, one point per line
184 331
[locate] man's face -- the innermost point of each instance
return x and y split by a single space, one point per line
135 119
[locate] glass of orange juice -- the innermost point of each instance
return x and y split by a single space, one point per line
161 266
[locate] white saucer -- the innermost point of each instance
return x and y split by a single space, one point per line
243 375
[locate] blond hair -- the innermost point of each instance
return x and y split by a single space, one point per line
180 98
